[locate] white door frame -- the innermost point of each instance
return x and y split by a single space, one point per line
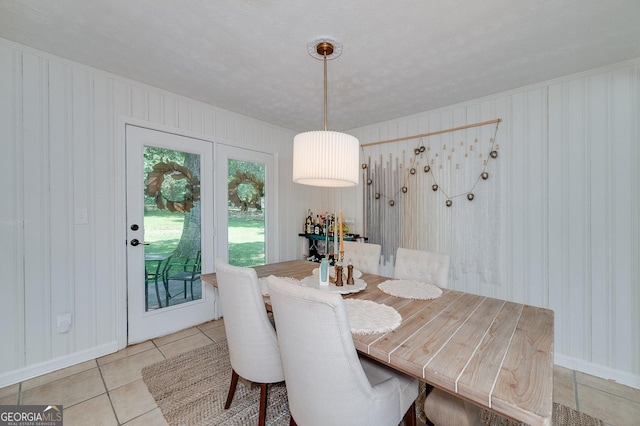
121 218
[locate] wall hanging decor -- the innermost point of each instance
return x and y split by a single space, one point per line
435 193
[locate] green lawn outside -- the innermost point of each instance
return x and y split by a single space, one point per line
162 230
246 235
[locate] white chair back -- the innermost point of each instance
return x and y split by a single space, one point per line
365 257
326 381
253 345
422 265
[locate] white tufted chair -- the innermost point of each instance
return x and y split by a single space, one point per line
365 257
422 265
253 345
327 383
440 407
444 409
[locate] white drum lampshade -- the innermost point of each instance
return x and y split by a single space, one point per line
326 158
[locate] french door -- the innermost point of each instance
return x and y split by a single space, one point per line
245 220
169 232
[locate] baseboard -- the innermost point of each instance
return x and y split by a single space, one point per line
34 370
618 376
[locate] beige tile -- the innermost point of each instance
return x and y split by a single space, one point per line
185 345
217 334
132 400
10 390
9 400
561 374
612 409
127 370
95 411
67 391
58 374
211 324
176 336
563 393
563 386
608 386
152 418
128 351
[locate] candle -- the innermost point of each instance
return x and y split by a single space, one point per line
341 236
335 237
326 234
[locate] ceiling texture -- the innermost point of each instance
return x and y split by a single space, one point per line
399 57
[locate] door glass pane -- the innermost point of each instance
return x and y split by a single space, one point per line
246 213
171 227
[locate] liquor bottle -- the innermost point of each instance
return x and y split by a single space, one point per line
317 226
304 223
309 224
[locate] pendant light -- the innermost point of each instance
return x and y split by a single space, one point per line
325 158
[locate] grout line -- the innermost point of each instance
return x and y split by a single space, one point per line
113 409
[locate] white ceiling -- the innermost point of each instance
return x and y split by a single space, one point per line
400 57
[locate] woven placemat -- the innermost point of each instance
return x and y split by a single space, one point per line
410 289
367 317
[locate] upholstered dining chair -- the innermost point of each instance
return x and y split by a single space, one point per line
327 382
422 265
252 341
440 407
365 257
445 409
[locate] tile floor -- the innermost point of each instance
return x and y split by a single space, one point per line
110 390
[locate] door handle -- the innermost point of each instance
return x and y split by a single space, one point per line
135 242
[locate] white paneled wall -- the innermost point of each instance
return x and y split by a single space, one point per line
593 218
570 195
569 223
62 153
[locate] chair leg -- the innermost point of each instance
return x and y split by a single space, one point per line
262 417
167 294
232 389
158 295
410 416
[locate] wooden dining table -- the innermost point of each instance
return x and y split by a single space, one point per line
494 353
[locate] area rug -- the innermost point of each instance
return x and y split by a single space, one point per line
191 389
562 415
